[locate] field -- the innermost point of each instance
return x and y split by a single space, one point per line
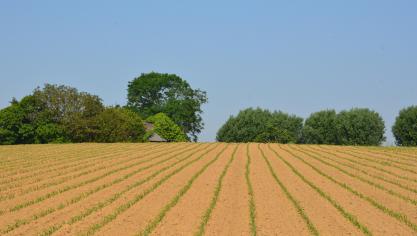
207 189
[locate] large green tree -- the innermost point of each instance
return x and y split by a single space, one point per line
66 107
405 127
50 114
153 93
320 128
259 125
360 126
11 121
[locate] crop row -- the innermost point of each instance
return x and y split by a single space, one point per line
84 195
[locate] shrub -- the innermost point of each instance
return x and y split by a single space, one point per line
118 125
7 137
405 127
49 133
166 128
11 120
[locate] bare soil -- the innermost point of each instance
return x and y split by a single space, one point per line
306 195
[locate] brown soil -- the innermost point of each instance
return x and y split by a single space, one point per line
231 215
193 205
76 168
65 215
390 201
322 214
61 198
390 186
377 221
136 218
392 169
344 159
275 213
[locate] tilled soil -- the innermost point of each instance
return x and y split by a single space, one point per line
207 188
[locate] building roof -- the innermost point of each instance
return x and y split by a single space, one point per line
148 126
154 137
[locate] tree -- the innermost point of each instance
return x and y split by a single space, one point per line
405 127
49 133
258 125
166 128
153 93
51 114
7 137
360 126
245 127
320 128
118 125
65 106
11 121
62 102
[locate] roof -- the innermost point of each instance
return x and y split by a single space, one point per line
148 126
154 137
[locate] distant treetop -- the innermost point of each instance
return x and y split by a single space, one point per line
152 93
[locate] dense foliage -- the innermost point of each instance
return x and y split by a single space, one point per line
63 114
118 125
166 128
352 127
153 93
258 125
360 126
405 127
320 128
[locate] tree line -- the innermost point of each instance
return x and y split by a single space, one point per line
61 114
357 126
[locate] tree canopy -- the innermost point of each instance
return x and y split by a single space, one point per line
153 93
360 126
259 125
320 128
63 114
405 127
117 124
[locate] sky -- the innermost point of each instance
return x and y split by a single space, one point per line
295 56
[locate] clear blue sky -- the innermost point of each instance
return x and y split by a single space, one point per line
295 56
